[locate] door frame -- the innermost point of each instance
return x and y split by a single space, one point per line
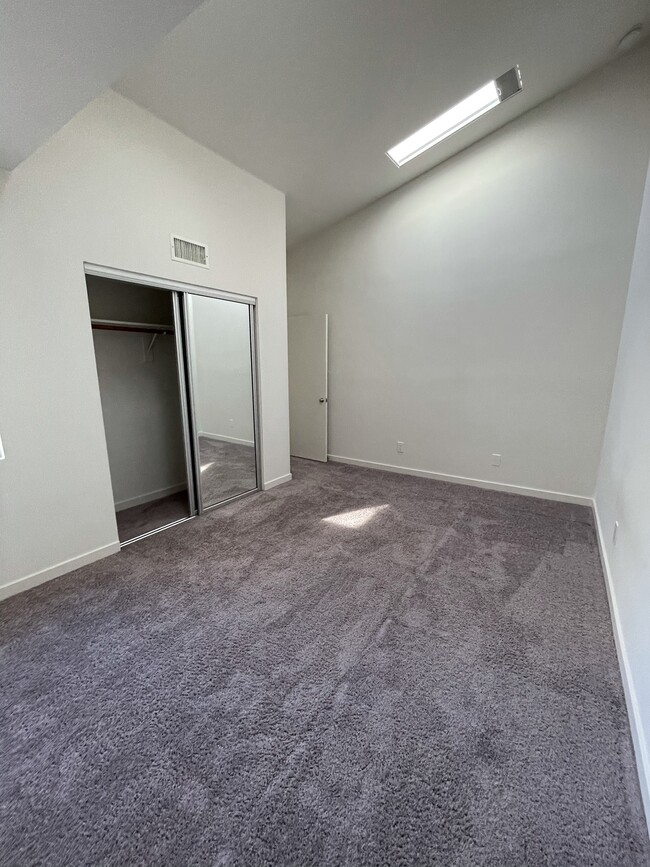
177 288
164 283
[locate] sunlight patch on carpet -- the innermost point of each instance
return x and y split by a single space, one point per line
357 518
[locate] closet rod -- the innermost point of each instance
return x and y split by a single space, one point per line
116 325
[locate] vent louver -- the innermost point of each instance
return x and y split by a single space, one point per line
184 250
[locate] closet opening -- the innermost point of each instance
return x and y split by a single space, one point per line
177 380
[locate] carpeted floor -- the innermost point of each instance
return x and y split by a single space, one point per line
227 469
137 520
355 668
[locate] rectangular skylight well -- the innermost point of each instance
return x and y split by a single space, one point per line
489 96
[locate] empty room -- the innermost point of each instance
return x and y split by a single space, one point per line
325 433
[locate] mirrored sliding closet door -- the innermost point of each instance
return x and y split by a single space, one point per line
176 371
219 336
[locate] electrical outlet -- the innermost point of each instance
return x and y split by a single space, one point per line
496 460
615 532
400 448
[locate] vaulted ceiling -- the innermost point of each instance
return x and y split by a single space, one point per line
305 94
309 94
57 55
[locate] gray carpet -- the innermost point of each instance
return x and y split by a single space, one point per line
227 469
429 680
137 520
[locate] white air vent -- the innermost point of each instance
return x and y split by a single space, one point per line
189 251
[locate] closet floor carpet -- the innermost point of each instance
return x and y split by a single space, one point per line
141 519
355 668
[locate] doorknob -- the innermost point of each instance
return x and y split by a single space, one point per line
322 400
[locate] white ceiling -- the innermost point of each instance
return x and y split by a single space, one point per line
308 94
305 94
57 55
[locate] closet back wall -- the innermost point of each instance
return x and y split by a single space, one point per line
477 310
139 393
108 189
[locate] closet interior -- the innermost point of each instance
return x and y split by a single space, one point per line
177 382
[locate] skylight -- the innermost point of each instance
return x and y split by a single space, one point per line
485 98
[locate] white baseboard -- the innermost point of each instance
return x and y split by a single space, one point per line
150 496
639 739
225 439
273 483
57 570
463 480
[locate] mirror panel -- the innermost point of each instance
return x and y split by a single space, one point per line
222 387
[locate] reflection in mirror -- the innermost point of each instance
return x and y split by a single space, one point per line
222 381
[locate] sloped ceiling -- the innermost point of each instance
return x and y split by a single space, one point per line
308 94
57 55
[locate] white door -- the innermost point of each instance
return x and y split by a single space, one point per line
308 386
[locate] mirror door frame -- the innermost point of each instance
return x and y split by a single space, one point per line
190 353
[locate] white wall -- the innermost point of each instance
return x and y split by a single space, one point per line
139 391
108 189
478 309
623 495
222 369
142 416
